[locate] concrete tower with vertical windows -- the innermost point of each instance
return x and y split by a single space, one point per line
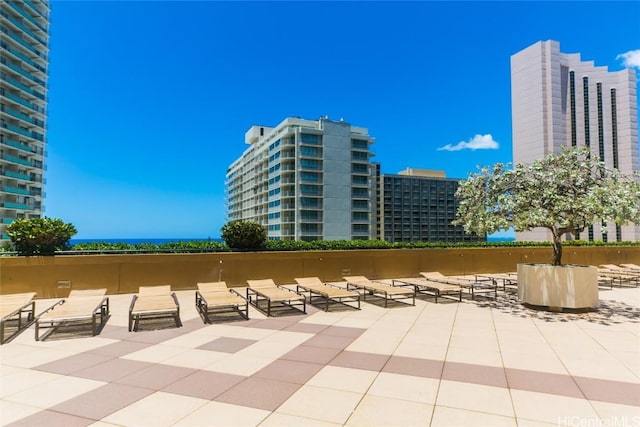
559 100
24 45
305 180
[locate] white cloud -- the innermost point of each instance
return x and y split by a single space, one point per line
478 142
630 59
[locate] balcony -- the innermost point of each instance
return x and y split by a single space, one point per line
22 86
22 116
24 103
26 59
25 29
28 16
17 175
14 190
35 8
8 220
23 132
24 73
17 160
19 206
17 145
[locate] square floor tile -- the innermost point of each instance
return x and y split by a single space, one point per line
227 345
330 341
405 387
289 371
259 393
383 411
334 406
412 366
610 391
158 410
312 354
454 417
475 397
73 363
119 349
102 401
53 392
357 360
112 369
218 414
155 377
550 408
345 379
476 374
542 382
11 412
52 419
204 384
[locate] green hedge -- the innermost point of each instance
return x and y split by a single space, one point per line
208 246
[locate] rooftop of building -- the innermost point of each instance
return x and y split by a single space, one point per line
475 362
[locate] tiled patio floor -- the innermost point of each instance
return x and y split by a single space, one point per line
477 363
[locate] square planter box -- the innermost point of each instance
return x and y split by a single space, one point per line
566 286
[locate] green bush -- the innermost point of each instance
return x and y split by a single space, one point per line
244 235
40 236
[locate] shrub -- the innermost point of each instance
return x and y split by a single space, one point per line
244 235
40 236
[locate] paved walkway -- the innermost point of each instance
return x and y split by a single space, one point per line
474 363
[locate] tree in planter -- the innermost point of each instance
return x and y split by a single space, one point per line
564 193
40 236
244 235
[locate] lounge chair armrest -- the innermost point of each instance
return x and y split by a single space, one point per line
233 291
133 302
175 298
287 289
57 303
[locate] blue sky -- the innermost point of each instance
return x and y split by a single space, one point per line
149 101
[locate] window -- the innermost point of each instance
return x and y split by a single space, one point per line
360 144
309 164
360 204
360 180
360 228
360 216
359 192
309 202
359 168
309 139
310 151
309 177
359 156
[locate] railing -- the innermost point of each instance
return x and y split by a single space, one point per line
15 190
24 103
15 159
22 116
26 59
20 206
24 28
8 220
35 8
25 73
30 18
17 145
17 175
23 87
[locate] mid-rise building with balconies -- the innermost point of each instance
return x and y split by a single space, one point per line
305 180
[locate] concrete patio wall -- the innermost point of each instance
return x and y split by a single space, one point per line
55 276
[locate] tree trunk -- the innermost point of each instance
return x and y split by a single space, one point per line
557 247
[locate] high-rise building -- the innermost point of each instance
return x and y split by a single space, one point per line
24 45
559 100
305 180
419 205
